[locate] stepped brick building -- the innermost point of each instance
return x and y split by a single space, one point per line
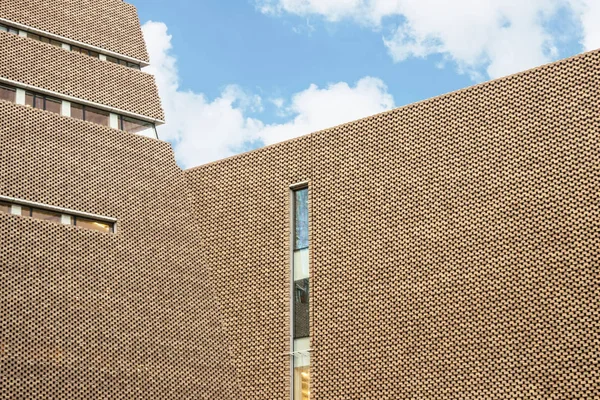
447 249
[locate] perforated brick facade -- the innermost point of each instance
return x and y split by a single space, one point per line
454 246
84 314
42 65
88 315
109 24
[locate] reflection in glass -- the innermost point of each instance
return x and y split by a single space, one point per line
302 383
76 111
301 309
93 224
301 219
53 105
4 207
133 125
97 116
46 215
7 93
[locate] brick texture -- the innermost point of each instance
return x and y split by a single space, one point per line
109 24
52 68
89 315
454 246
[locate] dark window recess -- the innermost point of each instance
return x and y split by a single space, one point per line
7 93
42 102
301 309
87 52
301 219
90 114
122 62
44 39
5 207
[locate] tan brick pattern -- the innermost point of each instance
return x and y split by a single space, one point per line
249 259
52 68
454 246
109 24
89 315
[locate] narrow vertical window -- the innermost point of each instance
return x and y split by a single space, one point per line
301 296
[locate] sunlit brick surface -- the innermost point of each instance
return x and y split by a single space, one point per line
109 24
52 68
455 246
89 315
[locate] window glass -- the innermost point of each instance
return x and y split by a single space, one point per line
46 215
134 66
29 99
93 54
55 43
33 36
3 28
112 59
97 116
25 211
302 383
93 224
301 309
4 207
135 125
76 111
301 219
53 105
7 93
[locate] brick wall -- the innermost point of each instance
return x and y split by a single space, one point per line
52 68
454 246
89 315
108 24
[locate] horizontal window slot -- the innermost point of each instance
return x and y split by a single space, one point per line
66 46
57 215
80 111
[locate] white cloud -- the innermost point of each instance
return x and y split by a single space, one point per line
492 37
203 130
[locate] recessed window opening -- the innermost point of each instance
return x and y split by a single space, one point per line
43 102
80 111
62 217
66 46
8 93
300 296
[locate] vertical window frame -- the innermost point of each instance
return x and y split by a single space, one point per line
293 249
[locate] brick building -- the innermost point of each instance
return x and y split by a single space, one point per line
447 249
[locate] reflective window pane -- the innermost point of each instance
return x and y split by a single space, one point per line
25 211
55 43
93 54
4 207
93 224
302 383
46 215
53 105
133 125
76 111
29 99
8 94
112 59
301 219
301 309
33 36
97 116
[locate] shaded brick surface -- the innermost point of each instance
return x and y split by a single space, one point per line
89 315
454 246
109 24
52 68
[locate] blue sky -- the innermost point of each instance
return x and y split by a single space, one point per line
238 74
